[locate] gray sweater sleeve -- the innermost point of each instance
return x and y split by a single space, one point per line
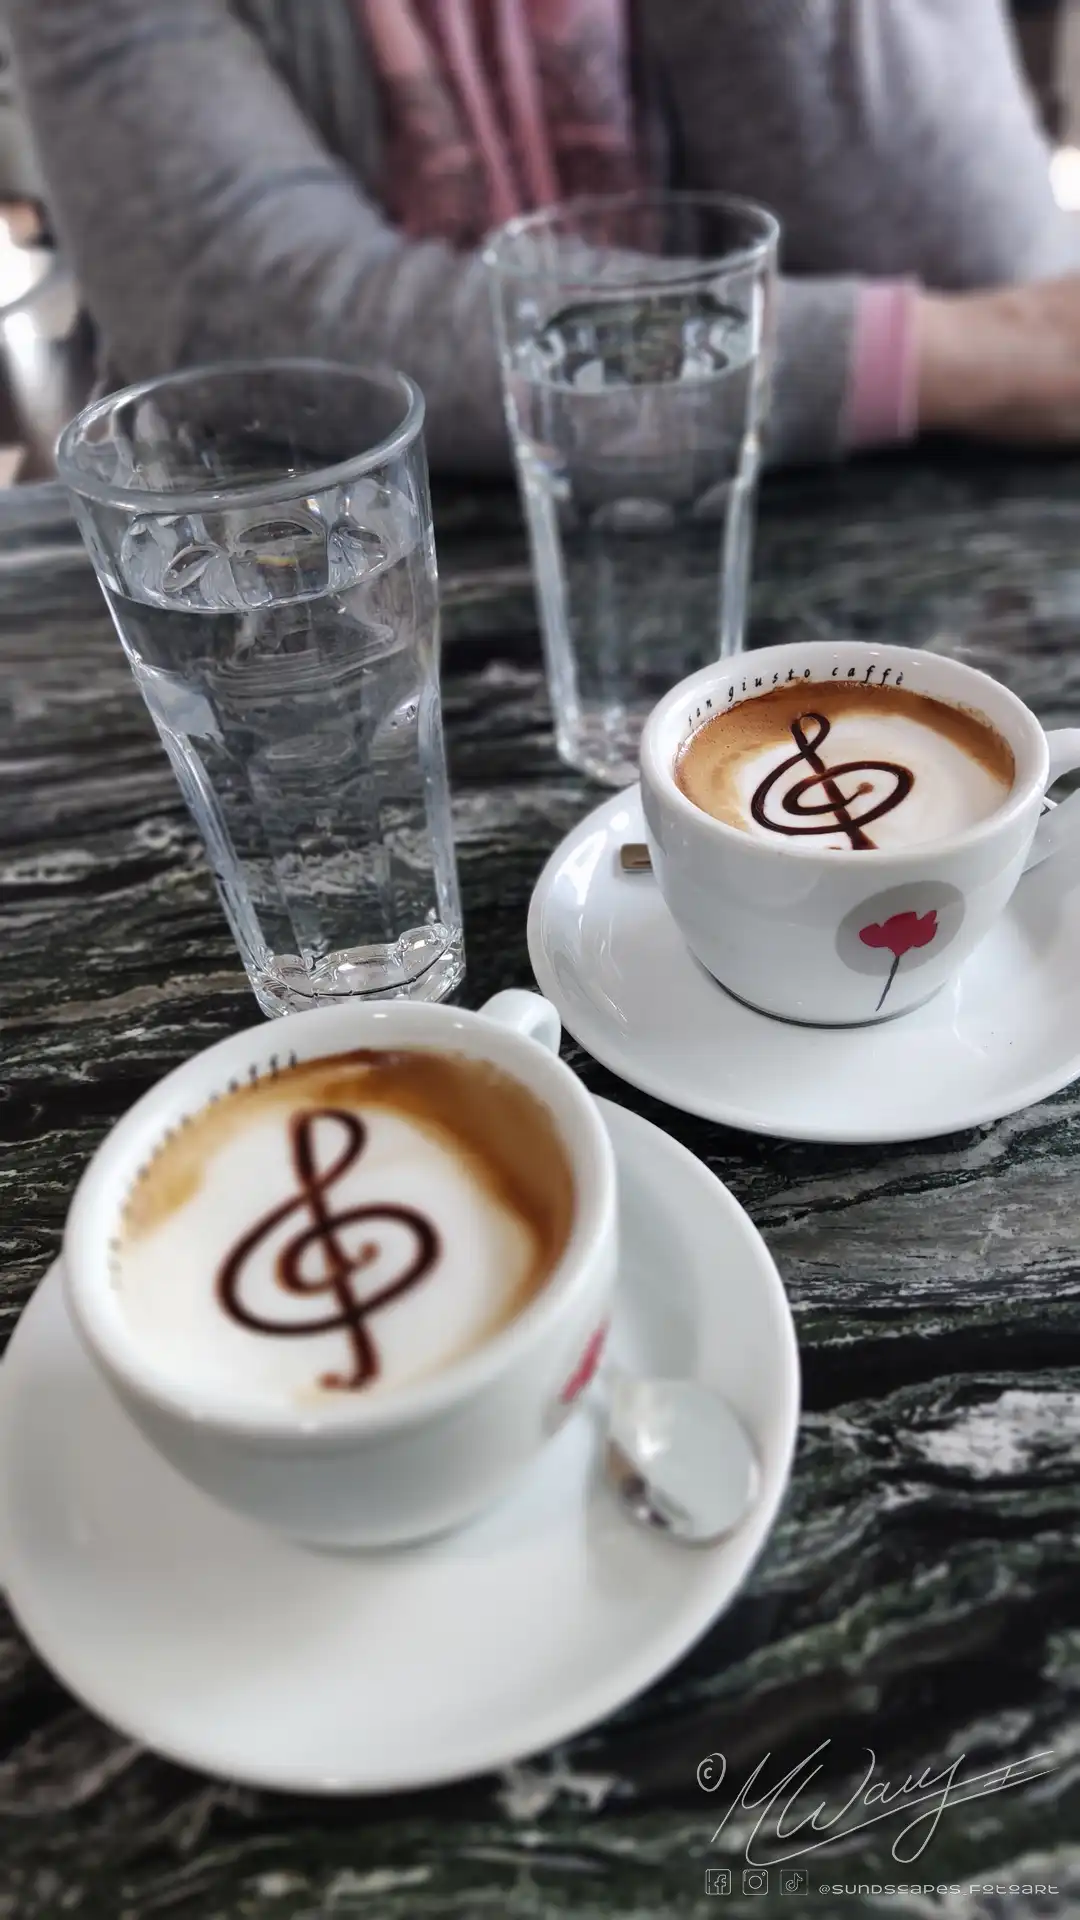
206 218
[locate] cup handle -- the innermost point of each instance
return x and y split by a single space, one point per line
529 1014
1060 824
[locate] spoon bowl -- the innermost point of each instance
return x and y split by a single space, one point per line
678 1458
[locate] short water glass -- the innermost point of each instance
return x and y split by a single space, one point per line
262 534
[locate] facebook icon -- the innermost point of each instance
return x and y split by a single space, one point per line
718 1880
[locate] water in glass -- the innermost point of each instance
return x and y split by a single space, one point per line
289 657
633 444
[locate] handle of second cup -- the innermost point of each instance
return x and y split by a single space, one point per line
525 1013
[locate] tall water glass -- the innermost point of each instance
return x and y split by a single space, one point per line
634 333
262 534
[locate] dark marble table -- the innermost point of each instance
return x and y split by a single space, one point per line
921 1594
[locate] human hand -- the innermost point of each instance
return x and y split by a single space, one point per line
1002 365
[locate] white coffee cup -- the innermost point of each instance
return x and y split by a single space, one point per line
845 938
426 1456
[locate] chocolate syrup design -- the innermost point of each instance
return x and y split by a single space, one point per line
340 1268
833 814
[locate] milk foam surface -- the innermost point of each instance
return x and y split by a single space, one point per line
489 1260
951 791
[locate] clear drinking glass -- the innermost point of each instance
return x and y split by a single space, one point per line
262 534
634 333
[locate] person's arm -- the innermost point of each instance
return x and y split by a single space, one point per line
897 144
845 377
207 221
1002 365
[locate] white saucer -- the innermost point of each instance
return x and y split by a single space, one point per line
244 1656
1007 1033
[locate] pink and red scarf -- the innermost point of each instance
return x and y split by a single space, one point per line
498 106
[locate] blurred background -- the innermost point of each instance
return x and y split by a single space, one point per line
46 348
46 344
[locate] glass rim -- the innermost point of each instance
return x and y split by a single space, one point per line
266 493
749 254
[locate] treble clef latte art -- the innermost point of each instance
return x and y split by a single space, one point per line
836 811
315 1261
865 752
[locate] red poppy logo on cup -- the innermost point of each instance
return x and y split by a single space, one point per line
915 923
900 934
585 1369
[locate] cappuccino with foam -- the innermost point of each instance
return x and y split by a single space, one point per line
348 1225
846 765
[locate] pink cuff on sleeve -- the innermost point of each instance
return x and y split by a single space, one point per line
882 398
